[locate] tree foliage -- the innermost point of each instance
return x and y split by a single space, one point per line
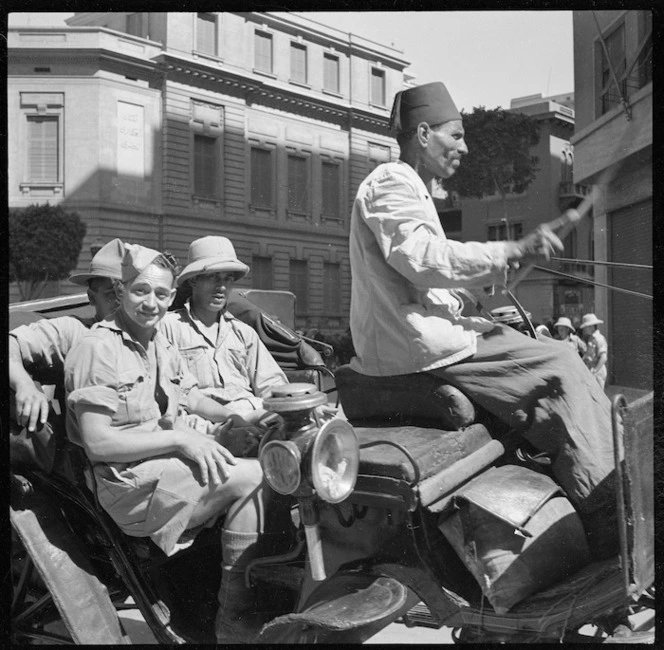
44 244
499 159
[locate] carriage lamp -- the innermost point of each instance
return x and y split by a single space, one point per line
307 458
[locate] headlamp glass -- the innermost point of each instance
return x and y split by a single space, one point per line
335 459
280 461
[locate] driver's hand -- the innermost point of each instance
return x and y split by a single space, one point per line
31 406
537 247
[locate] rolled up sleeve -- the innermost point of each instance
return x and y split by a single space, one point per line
91 376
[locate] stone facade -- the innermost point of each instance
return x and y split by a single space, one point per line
172 126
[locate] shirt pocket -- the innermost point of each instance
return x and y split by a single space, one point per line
134 399
199 364
239 360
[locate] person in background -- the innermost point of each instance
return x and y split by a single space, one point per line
155 476
565 333
227 357
38 350
597 349
405 316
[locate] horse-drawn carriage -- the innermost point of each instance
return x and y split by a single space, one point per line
375 532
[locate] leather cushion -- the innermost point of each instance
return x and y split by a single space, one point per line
403 398
432 449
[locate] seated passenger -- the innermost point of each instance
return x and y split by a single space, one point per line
405 316
228 359
38 350
155 476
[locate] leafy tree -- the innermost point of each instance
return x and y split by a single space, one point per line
499 159
44 244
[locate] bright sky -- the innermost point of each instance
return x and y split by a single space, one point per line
485 58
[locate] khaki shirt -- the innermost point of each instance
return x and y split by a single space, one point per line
45 344
404 314
108 368
236 369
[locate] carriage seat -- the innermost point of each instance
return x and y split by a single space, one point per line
403 399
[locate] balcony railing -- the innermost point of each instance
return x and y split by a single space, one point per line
568 189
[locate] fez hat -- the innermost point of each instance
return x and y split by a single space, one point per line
590 319
136 259
212 254
563 321
105 264
430 103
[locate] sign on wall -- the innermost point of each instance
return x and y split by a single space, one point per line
131 140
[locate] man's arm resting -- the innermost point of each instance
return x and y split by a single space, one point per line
104 443
31 404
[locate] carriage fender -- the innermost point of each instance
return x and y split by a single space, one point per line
349 607
81 598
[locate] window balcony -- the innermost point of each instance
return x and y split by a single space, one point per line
570 194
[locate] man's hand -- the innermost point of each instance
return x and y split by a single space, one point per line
212 458
534 248
31 405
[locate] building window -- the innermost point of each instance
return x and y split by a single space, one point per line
135 24
378 87
207 137
569 243
261 272
299 285
206 33
41 129
615 46
331 288
205 166
263 52
331 186
505 232
298 184
298 63
377 154
262 195
566 168
44 149
331 73
644 59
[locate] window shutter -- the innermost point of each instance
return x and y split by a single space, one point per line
331 288
205 166
330 189
43 149
331 73
377 87
297 184
206 34
298 63
261 177
299 284
263 52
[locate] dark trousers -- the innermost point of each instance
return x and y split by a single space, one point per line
543 389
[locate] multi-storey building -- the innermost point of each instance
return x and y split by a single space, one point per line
613 152
491 218
163 127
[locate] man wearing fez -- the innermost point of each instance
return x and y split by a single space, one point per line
406 316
